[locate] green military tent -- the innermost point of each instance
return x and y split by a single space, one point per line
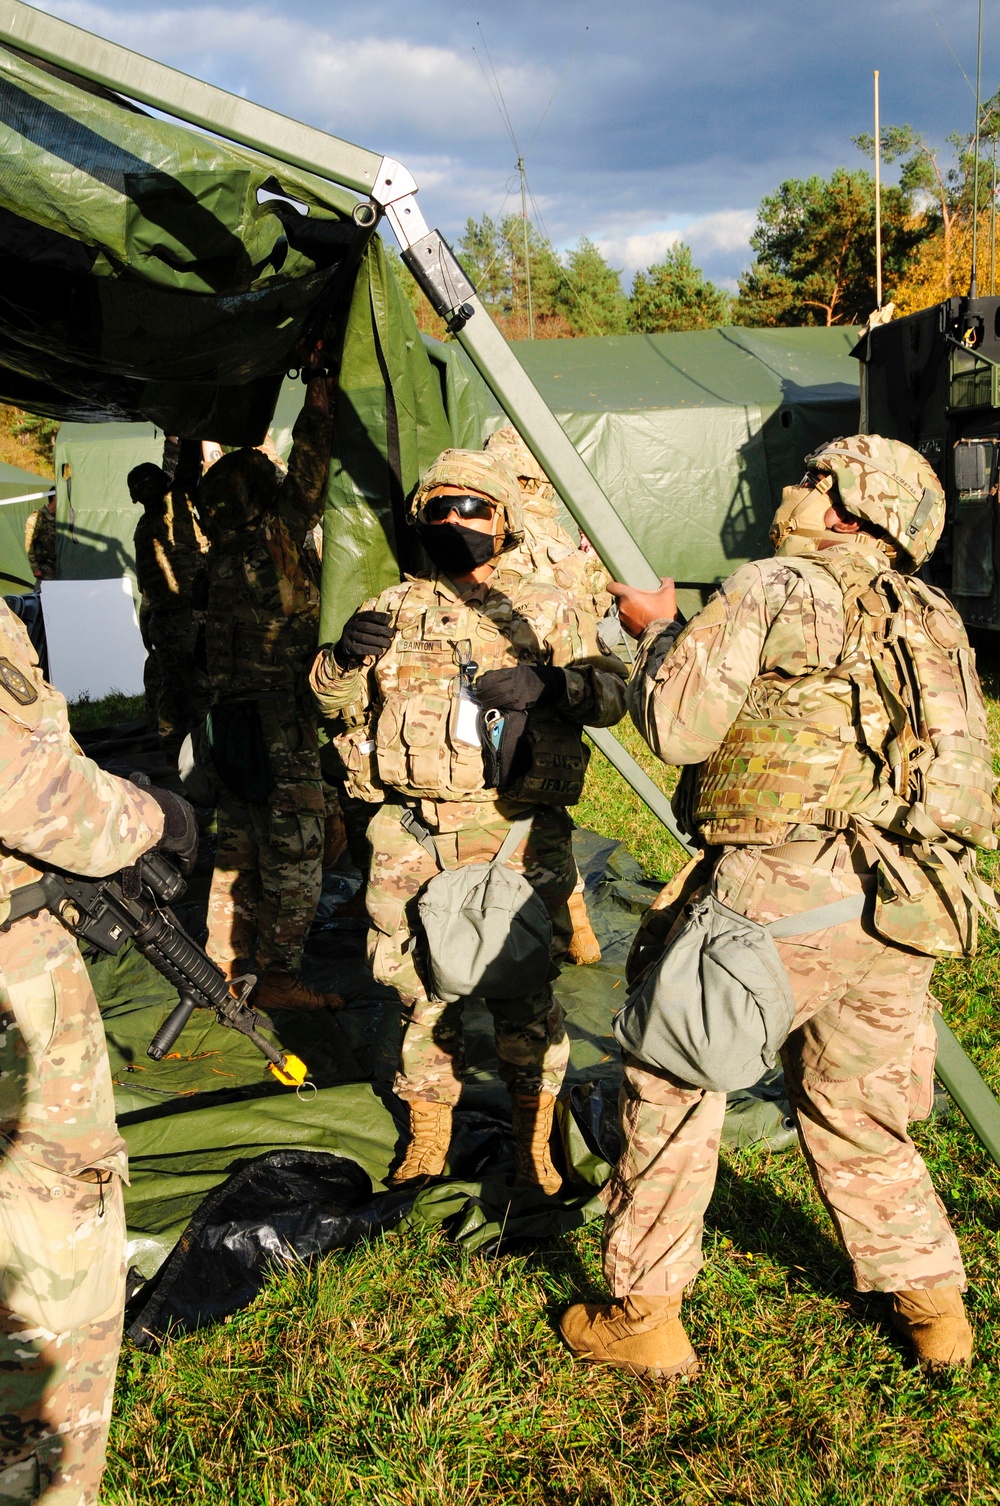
692 436
21 493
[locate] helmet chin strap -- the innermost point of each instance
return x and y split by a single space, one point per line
800 521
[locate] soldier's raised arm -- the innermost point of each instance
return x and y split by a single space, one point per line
689 683
303 493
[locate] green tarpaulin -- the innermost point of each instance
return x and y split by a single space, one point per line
21 493
694 435
155 274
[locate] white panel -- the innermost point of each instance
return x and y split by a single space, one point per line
93 637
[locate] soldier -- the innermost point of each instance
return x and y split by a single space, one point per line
62 1224
170 552
830 701
263 611
403 661
548 552
40 539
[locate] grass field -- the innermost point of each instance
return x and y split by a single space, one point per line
403 1373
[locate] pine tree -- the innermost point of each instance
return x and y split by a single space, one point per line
674 294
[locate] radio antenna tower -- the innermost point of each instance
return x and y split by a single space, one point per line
493 84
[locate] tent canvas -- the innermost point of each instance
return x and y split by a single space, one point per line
692 435
21 494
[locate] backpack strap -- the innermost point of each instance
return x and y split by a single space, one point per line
513 839
819 919
411 822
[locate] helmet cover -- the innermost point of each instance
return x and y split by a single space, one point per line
887 484
479 471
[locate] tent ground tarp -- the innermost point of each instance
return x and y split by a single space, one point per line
231 1172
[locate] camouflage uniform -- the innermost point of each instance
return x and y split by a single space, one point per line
62 1227
263 615
759 687
40 543
548 553
170 566
409 699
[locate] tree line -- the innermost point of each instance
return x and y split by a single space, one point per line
813 253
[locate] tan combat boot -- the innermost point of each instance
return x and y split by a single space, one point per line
584 948
278 989
643 1335
934 1321
532 1130
430 1137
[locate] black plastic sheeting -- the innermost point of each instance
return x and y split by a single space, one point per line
289 1206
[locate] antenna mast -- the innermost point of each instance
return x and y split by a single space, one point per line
878 202
527 259
973 290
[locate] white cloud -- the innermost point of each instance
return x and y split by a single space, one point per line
714 238
378 90
722 233
639 250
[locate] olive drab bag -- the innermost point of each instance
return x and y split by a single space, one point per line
717 1007
488 934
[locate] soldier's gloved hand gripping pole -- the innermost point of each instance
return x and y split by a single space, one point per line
133 904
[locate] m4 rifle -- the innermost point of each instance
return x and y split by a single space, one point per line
134 905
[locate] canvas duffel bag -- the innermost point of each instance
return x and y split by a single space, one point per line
488 934
717 1008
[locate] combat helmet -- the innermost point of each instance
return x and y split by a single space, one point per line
508 444
482 472
888 484
238 490
148 484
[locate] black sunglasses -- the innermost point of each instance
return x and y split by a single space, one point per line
467 506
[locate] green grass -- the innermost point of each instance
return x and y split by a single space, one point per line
403 1373
111 709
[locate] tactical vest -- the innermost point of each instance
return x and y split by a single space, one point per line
262 624
420 749
893 732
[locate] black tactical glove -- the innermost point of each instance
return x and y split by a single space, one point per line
521 688
180 827
366 635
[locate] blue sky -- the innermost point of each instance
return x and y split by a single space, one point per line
669 117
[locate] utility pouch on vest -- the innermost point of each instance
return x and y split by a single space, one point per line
488 933
929 903
238 752
718 1007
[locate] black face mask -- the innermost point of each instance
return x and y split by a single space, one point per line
455 549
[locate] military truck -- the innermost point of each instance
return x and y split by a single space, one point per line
932 379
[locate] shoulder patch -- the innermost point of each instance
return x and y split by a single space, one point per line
715 611
17 684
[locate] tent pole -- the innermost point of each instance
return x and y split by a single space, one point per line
621 759
974 1098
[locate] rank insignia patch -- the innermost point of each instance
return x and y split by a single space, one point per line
16 683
